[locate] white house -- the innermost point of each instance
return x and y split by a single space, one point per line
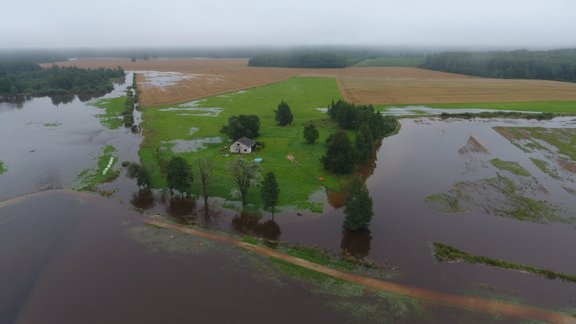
243 145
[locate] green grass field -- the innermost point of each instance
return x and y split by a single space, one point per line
113 108
297 179
559 107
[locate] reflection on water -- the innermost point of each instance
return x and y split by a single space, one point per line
182 209
356 244
143 199
249 223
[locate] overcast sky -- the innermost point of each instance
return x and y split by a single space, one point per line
189 23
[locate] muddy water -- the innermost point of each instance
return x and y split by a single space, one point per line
45 145
422 160
68 258
79 247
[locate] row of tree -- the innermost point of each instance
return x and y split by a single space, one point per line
180 176
305 59
342 155
557 65
24 78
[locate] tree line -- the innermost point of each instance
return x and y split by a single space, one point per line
25 78
344 156
558 65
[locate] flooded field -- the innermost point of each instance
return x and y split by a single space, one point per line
497 188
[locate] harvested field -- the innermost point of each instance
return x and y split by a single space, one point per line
360 85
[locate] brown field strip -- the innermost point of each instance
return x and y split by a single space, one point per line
360 85
466 302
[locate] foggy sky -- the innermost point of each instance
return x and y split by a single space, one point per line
189 23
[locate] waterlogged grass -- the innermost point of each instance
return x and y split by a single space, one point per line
510 166
297 178
500 196
90 178
160 240
113 108
2 167
563 107
446 253
545 167
445 202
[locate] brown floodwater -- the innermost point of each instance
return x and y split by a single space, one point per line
66 257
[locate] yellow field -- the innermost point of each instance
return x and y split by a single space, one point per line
360 85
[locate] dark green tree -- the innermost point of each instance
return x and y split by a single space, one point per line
138 172
269 192
357 207
341 155
364 143
284 114
243 125
206 173
310 134
179 175
244 174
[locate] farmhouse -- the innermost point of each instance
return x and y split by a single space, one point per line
243 145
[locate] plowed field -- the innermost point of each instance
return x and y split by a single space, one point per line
375 85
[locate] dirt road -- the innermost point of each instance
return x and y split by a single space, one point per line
467 302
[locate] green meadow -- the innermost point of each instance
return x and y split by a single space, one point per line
201 121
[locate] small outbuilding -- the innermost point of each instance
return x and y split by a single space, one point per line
243 145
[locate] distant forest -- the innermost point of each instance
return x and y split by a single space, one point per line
27 78
559 65
334 58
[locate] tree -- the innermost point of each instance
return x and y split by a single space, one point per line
284 114
242 125
340 156
310 134
244 174
364 143
138 172
269 192
206 173
357 207
179 175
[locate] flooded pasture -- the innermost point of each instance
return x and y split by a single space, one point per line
97 248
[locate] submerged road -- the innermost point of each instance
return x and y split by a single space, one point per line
467 302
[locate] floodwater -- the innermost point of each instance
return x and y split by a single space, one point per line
70 258
66 257
422 160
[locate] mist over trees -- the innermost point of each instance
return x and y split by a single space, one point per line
26 78
558 65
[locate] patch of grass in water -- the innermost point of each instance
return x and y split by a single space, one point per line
446 253
498 195
162 240
318 282
53 124
445 202
510 166
2 167
113 108
90 178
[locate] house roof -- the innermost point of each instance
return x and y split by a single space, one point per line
246 141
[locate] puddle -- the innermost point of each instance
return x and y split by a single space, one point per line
191 111
164 79
180 146
424 110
